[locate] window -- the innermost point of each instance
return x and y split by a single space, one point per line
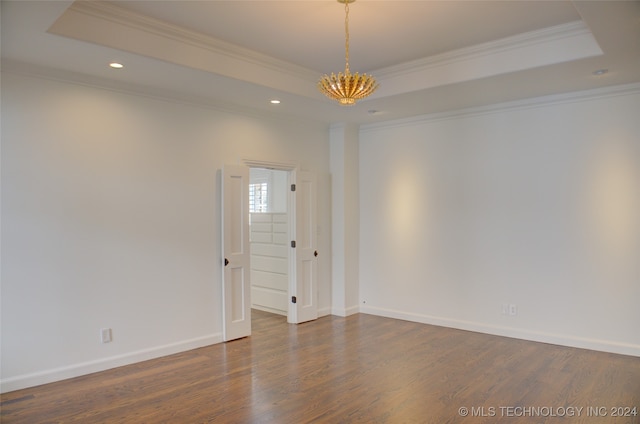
258 198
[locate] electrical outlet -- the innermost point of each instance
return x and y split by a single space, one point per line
513 310
105 335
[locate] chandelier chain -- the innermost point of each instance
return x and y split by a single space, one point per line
346 31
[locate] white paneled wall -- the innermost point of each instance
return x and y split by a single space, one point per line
269 262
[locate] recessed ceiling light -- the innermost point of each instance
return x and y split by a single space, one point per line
116 65
275 102
600 72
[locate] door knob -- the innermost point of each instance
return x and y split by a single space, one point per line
315 253
226 261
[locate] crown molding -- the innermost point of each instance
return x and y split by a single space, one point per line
106 24
113 26
516 42
561 43
153 93
122 16
536 102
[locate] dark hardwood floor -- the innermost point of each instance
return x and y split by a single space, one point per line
359 369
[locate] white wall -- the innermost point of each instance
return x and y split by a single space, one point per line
537 206
110 218
343 141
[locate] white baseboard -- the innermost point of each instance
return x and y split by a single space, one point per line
323 312
76 370
342 312
270 310
516 333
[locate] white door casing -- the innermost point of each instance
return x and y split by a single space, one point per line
236 288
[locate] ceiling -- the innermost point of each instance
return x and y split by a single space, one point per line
428 56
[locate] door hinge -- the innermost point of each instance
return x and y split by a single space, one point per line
293 187
293 299
293 243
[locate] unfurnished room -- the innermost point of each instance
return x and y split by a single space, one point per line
320 211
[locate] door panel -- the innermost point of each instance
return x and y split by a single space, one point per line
235 240
237 295
306 308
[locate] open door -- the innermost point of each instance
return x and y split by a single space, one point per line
236 288
304 306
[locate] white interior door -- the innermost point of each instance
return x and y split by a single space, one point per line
236 288
304 284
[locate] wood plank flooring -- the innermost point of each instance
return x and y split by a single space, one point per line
359 369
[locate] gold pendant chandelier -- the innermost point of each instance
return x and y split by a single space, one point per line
346 87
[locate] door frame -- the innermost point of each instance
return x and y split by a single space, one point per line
291 169
293 308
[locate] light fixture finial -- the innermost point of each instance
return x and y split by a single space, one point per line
346 87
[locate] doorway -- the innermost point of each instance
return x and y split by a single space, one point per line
269 238
301 295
